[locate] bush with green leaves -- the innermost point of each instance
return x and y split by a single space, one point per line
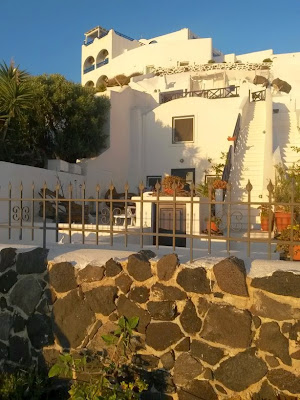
114 378
22 385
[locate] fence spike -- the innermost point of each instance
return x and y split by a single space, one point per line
228 187
111 186
9 186
97 188
249 187
83 185
45 185
157 186
192 186
32 185
57 186
126 186
141 186
270 186
21 186
70 187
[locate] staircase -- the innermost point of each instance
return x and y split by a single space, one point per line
249 165
286 135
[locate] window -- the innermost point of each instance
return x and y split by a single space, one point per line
151 181
183 129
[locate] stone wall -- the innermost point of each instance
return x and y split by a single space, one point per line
205 330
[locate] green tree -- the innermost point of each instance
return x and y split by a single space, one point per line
15 96
65 121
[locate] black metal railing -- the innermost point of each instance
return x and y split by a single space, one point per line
89 69
104 62
124 36
219 93
258 96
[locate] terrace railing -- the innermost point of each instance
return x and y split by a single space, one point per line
70 215
260 95
104 62
219 93
89 69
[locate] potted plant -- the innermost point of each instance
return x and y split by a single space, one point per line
214 223
292 250
282 194
266 214
169 181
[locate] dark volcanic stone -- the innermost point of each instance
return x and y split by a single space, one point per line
227 325
19 350
102 299
162 310
147 253
7 258
265 392
3 303
195 390
203 351
7 281
189 318
140 294
203 306
129 309
166 267
273 341
71 318
256 321
139 267
284 380
90 273
19 323
62 277
286 327
145 361
296 355
168 360
194 280
43 307
123 282
3 351
281 282
26 294
168 292
112 268
39 330
32 262
184 345
266 307
272 361
295 332
239 372
219 295
161 335
231 276
6 322
186 368
161 380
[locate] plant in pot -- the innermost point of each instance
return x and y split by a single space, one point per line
214 223
290 232
266 215
169 181
282 194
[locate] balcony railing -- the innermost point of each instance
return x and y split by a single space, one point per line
219 93
258 96
92 40
100 64
89 69
124 36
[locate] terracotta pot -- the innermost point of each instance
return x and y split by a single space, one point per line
231 138
264 223
282 219
213 226
295 250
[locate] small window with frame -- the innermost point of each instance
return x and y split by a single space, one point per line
152 180
183 129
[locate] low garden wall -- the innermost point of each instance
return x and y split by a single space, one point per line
207 332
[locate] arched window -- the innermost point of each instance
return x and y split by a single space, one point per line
89 64
102 58
89 84
152 42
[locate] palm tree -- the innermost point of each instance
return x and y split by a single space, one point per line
15 95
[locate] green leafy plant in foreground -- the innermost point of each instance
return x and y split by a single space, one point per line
114 379
22 385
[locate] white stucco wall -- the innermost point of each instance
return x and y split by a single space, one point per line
256 56
214 121
165 53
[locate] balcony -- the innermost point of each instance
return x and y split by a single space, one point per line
220 93
89 69
100 64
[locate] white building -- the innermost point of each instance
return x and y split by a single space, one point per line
170 118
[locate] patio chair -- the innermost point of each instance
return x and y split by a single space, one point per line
130 215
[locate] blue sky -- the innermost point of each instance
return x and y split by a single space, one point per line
45 36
